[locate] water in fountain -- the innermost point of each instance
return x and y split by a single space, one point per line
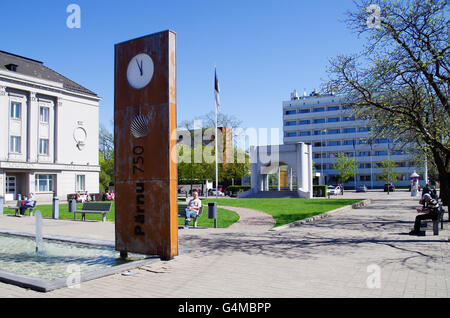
39 239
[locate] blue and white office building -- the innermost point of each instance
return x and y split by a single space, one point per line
326 121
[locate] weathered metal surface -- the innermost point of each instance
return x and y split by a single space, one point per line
145 175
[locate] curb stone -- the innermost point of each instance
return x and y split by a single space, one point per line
356 205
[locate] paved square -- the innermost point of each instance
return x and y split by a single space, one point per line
365 252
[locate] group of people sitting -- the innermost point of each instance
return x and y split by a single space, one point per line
429 210
83 197
108 195
27 203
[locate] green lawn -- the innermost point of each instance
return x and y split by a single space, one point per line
225 217
286 211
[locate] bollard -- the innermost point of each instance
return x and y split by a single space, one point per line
19 197
2 201
55 211
212 212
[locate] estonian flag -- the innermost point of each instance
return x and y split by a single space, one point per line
217 90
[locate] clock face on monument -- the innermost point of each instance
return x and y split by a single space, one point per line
140 71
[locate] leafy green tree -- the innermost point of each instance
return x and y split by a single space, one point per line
106 158
400 80
388 173
345 166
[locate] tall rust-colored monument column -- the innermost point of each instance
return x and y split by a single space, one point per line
144 120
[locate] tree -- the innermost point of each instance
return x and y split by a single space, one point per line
238 168
388 174
106 158
345 166
400 80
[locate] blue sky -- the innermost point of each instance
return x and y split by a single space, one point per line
263 49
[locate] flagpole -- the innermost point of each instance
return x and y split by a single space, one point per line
217 156
216 141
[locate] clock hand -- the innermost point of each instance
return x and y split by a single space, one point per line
140 66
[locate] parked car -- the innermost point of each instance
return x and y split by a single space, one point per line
361 188
390 186
212 192
332 190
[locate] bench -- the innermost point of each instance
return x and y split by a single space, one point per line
182 212
435 221
16 208
93 208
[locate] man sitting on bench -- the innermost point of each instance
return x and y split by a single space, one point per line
430 210
192 209
29 204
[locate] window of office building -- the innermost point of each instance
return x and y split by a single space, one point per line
319 144
382 141
364 166
304 111
304 122
318 132
334 120
398 152
15 111
346 107
349 130
364 129
44 114
381 153
347 142
331 108
14 144
305 133
291 112
334 143
363 141
318 109
319 121
44 183
290 123
334 131
364 178
364 154
351 118
43 146
291 134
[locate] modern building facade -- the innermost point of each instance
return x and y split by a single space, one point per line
48 132
327 123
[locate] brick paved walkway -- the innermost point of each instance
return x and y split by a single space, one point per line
332 257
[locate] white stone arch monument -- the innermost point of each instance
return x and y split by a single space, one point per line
267 159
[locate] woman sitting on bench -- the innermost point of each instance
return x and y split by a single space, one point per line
29 204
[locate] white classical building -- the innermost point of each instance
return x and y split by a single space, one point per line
326 122
48 132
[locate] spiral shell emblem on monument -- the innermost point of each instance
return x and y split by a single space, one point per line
139 127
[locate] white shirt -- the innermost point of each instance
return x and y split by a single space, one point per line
195 203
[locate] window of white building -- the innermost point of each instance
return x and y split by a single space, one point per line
14 144
44 115
43 146
15 111
81 183
44 183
